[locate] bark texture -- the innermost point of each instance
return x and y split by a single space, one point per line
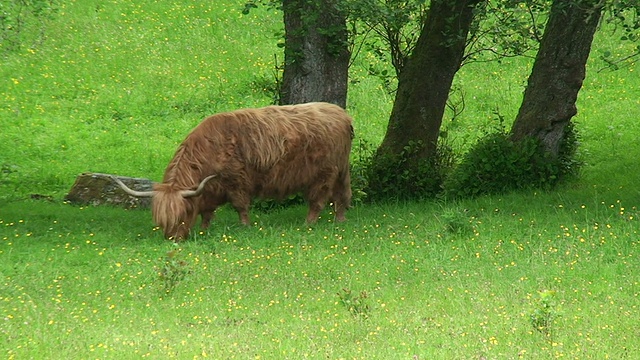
316 53
425 81
558 72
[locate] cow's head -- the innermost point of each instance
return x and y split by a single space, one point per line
175 211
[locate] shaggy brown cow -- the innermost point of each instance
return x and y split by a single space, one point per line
271 152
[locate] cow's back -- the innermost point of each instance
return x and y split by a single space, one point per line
289 147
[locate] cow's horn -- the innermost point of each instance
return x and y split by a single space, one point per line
133 192
198 191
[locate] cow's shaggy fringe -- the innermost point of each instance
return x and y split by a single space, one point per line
269 152
170 210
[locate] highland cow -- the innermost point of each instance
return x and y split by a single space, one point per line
270 152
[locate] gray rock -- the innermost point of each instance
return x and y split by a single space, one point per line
99 189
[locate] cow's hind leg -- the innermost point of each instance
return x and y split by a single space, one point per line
318 194
342 195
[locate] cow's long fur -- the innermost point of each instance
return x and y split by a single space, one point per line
269 152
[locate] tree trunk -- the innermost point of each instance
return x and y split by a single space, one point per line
316 53
425 81
549 100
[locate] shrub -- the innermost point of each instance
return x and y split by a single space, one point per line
356 304
545 313
497 165
172 270
407 175
360 163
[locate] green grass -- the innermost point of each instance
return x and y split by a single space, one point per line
76 284
115 86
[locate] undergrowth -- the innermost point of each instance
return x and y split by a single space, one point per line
498 165
406 175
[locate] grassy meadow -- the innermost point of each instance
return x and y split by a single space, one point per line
115 86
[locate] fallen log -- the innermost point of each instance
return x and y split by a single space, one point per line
99 189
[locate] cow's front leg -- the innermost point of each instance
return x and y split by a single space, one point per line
207 216
241 202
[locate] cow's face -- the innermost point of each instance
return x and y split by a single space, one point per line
178 231
174 214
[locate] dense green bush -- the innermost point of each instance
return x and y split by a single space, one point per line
362 155
497 165
403 176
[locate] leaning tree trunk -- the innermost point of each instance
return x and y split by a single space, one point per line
316 53
549 100
425 81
